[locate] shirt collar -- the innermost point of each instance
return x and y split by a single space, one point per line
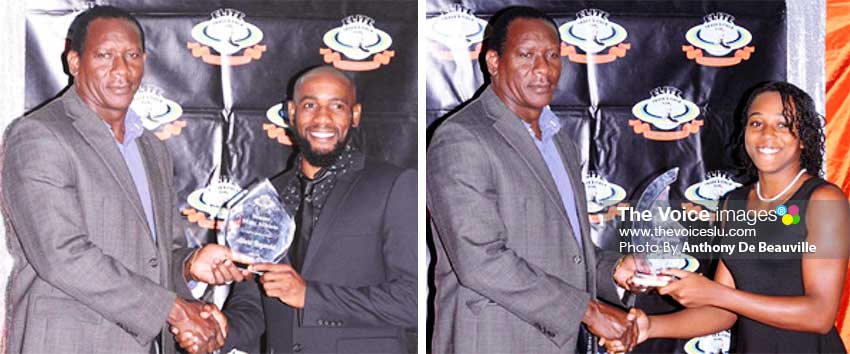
341 165
549 124
133 127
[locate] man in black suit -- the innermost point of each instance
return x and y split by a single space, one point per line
350 283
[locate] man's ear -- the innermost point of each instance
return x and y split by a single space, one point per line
73 59
492 59
355 114
290 108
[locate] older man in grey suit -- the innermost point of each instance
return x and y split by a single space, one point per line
516 269
98 245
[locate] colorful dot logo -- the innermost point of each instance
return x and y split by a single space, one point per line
789 215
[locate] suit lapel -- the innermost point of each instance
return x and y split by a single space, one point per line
97 134
342 188
159 196
515 133
567 152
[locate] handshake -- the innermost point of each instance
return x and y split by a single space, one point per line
620 331
200 327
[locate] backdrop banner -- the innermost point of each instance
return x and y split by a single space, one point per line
650 91
218 74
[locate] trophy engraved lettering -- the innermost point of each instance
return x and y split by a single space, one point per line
257 224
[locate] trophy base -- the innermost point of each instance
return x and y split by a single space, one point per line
244 266
649 280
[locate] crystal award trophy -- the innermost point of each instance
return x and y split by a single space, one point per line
257 225
659 251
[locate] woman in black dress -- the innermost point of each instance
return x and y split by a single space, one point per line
779 303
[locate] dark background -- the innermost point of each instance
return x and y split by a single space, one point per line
609 147
234 134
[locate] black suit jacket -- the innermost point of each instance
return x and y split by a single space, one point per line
360 270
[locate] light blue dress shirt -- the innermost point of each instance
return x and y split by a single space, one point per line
133 129
549 126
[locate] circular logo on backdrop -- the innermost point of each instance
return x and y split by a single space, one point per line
592 33
457 30
206 205
603 198
708 192
666 109
227 33
718 36
211 198
666 115
277 115
456 27
351 44
710 344
276 130
159 114
601 194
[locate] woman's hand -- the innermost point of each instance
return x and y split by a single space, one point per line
692 289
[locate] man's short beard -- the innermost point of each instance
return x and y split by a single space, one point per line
320 159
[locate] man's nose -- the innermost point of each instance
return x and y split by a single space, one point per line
323 114
119 64
541 65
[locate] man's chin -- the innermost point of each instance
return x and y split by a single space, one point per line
322 160
121 104
322 150
541 100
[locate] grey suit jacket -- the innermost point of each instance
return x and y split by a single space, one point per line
360 270
88 277
510 276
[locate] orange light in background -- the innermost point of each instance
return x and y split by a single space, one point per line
838 118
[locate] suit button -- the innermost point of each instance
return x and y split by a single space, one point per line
296 348
577 259
153 262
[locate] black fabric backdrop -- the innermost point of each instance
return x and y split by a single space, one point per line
609 146
292 35
225 111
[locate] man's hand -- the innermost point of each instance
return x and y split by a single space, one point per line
192 342
282 282
195 332
625 271
642 323
213 264
610 324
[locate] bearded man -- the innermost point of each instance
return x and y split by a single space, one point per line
349 280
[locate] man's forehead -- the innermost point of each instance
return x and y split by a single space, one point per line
529 28
104 28
326 83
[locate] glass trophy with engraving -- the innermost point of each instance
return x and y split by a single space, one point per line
658 247
257 224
